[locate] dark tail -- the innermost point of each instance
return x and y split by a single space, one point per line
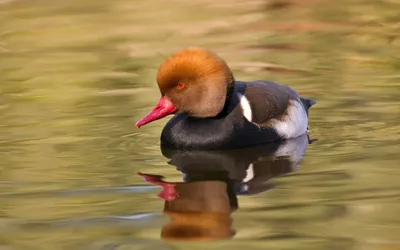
307 102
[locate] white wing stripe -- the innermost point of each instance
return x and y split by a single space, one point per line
246 108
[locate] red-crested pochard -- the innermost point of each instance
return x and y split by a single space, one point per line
215 111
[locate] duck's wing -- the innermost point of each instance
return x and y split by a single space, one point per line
278 106
268 100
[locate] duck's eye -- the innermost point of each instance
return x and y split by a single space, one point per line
180 85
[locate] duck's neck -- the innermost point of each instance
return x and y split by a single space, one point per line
229 93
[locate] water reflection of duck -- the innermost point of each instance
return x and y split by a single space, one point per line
200 207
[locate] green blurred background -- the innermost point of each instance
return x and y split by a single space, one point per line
75 76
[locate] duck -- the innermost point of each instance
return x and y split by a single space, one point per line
212 110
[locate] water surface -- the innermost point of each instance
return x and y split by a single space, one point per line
75 76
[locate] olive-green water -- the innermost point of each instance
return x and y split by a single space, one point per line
75 76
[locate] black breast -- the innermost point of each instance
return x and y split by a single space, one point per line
187 132
230 130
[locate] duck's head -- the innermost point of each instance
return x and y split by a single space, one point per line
193 81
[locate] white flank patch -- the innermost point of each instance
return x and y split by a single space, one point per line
295 124
249 173
245 105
